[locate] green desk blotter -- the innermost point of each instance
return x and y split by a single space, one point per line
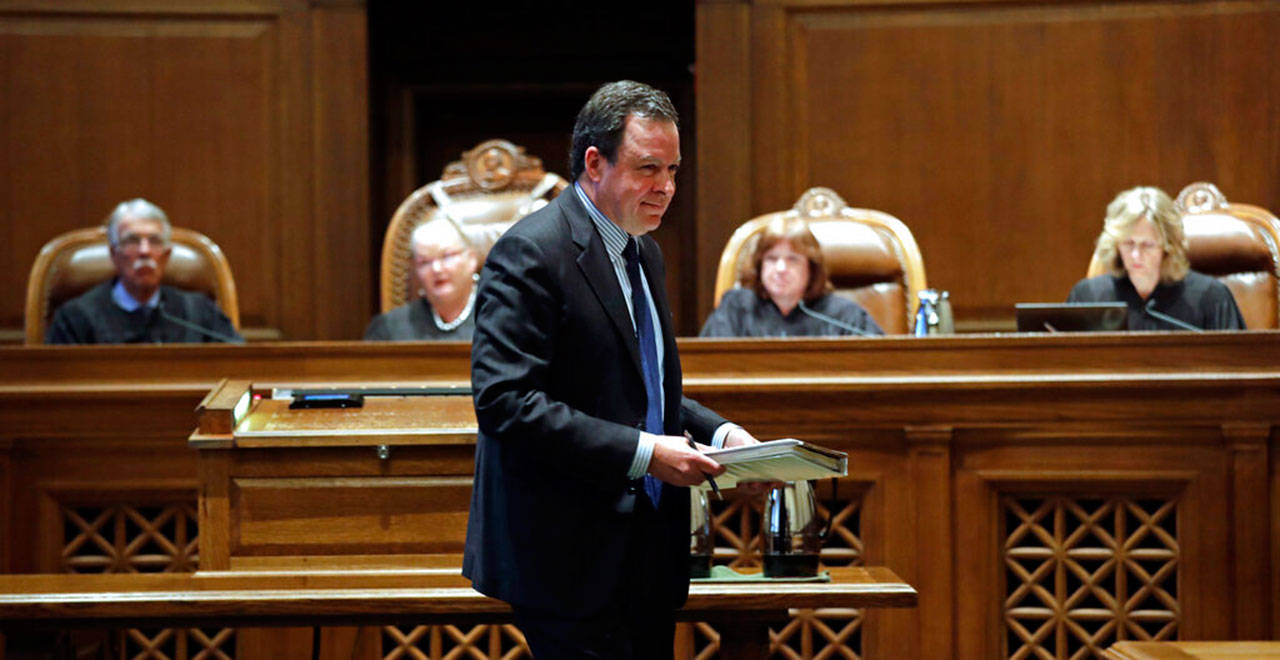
726 574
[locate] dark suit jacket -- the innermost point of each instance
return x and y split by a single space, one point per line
559 398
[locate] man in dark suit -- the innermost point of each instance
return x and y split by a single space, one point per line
580 509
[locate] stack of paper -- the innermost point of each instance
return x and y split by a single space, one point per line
778 460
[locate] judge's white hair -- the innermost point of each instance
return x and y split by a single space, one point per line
136 208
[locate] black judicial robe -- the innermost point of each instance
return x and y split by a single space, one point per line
414 321
1197 299
742 313
94 318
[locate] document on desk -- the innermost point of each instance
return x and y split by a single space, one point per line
778 460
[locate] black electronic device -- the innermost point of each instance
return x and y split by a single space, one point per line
327 400
1071 317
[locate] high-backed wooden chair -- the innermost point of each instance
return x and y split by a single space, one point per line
493 185
78 260
871 256
1237 243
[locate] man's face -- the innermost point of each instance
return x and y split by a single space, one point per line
635 190
140 254
444 266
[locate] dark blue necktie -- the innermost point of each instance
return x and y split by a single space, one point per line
648 357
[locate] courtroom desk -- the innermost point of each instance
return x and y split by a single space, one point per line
1194 651
997 474
345 598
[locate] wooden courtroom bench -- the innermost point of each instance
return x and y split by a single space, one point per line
345 598
1143 468
1194 651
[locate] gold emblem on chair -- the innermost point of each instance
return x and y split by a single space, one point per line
493 164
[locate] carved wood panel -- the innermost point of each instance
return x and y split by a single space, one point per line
1082 573
149 534
498 642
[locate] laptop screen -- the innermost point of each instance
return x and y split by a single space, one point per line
1071 317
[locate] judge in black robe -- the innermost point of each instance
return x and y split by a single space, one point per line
94 318
786 292
416 321
134 307
1145 251
445 264
743 313
1197 299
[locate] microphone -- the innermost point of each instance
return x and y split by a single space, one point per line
1149 308
226 339
833 321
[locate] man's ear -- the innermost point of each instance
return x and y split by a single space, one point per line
593 163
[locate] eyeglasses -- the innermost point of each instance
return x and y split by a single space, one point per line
447 260
133 242
1128 245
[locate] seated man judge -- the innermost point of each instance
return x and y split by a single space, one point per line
787 292
580 510
134 307
1145 250
444 265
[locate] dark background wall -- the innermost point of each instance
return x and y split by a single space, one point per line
447 76
289 130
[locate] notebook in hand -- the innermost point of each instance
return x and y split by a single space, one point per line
778 460
1071 317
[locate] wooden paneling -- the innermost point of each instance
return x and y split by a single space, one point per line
243 120
996 131
941 432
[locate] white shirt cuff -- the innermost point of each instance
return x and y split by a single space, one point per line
717 440
644 453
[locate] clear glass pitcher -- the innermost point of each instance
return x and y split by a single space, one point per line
793 533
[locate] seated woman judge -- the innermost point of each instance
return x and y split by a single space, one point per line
1145 251
786 292
445 265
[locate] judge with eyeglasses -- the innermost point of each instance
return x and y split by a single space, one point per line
1145 251
444 266
134 307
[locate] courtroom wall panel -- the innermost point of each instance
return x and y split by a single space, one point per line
246 121
996 131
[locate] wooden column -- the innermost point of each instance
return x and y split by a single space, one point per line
929 462
1254 598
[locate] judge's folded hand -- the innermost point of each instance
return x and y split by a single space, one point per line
738 437
676 463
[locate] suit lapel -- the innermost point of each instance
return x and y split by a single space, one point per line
598 270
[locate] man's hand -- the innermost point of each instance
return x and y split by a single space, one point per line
738 437
676 463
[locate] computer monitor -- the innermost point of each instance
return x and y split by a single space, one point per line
1071 317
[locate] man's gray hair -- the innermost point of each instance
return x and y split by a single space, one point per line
137 208
602 120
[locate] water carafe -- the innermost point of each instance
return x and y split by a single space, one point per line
793 533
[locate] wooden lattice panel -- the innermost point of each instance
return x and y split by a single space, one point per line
138 538
1084 573
810 633
486 642
177 644
126 538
